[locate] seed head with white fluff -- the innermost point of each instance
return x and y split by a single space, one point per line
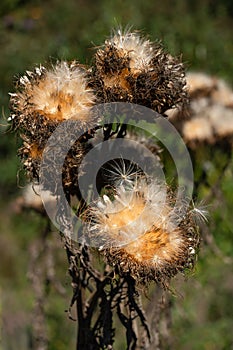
138 233
130 68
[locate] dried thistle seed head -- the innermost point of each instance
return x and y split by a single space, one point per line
130 68
137 51
210 112
139 234
51 96
45 98
127 215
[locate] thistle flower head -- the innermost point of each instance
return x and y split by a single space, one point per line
54 95
45 98
130 68
210 112
138 233
124 218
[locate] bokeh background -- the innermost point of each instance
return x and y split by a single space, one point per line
39 32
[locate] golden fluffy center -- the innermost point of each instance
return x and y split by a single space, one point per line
127 214
156 245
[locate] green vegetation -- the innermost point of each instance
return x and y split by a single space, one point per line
34 32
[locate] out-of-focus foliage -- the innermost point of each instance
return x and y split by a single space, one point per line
34 32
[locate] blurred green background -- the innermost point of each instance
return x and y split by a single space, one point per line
34 32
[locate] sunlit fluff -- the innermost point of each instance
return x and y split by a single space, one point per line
141 222
130 68
57 94
199 213
131 44
119 172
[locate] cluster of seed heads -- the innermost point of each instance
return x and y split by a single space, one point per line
134 224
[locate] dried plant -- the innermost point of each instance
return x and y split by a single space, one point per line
141 238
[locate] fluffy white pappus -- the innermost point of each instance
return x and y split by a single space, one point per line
121 172
139 50
199 213
64 92
130 214
60 93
